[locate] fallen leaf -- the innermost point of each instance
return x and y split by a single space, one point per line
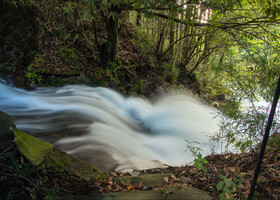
129 188
101 181
118 187
113 174
140 185
174 177
165 179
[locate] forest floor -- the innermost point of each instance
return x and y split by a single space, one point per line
231 173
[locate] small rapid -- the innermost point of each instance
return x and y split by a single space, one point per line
111 131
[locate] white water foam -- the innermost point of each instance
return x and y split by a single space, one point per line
109 130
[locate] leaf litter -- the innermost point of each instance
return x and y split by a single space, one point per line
236 168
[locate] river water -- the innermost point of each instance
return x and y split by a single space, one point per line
109 130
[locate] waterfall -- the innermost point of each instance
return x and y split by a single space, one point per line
108 130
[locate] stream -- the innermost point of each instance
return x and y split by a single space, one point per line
109 130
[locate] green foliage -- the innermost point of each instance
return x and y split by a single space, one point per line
69 8
244 130
199 161
69 56
21 168
52 194
171 72
34 75
227 187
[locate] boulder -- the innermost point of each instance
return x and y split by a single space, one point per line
45 156
156 181
187 193
148 180
33 149
7 128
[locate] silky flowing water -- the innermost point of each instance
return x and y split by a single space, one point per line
109 130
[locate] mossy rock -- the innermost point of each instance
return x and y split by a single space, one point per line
32 148
148 180
45 156
186 193
62 162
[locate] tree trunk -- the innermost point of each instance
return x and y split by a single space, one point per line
111 46
171 39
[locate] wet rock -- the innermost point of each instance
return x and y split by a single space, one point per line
187 193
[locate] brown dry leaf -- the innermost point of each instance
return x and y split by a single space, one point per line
174 177
140 185
113 174
193 171
109 187
101 181
261 178
215 169
165 179
110 182
251 172
240 187
203 179
176 184
232 169
156 188
110 178
118 187
227 196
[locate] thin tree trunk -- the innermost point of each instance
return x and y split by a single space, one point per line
111 46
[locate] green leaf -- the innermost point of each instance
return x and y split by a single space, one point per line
227 190
67 36
220 186
204 160
76 37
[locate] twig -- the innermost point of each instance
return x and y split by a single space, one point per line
19 176
7 149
